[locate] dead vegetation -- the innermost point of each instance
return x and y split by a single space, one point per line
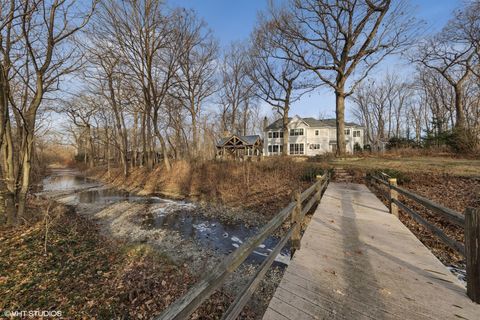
67 265
263 187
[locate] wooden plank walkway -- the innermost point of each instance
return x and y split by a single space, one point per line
357 261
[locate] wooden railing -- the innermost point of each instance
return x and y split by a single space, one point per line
201 291
469 222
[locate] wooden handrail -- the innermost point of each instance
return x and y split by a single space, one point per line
186 305
455 245
452 216
237 306
470 223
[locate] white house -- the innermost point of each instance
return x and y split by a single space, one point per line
309 136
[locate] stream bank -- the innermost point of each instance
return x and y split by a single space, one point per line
181 230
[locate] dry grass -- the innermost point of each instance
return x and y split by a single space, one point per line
264 187
415 164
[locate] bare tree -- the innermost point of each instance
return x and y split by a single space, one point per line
149 42
236 87
278 82
37 51
454 62
196 77
342 41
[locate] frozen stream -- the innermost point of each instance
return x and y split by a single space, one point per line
161 214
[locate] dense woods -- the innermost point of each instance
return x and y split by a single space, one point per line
144 83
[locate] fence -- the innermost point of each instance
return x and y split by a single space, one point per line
296 210
469 222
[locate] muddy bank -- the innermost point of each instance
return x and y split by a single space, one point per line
186 233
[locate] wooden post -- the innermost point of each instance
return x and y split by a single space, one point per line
393 195
296 213
319 186
472 252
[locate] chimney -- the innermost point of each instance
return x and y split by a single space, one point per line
265 124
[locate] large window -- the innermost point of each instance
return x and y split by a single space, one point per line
347 132
356 133
297 148
275 148
296 132
275 134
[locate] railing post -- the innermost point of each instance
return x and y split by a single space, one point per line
472 252
320 180
296 213
393 195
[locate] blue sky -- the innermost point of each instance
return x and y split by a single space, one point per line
233 20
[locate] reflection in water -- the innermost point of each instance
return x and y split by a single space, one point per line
166 214
66 181
106 196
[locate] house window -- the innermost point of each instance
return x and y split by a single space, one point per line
275 135
296 132
356 133
316 132
270 135
315 146
281 134
347 132
275 148
296 148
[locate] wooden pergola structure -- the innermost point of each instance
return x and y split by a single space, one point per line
240 147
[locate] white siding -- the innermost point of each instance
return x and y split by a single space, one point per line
313 144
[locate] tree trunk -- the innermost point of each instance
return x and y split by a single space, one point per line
194 133
166 161
26 171
340 122
10 177
460 123
285 129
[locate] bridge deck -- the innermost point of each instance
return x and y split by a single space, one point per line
359 262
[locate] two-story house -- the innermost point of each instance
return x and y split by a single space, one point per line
309 136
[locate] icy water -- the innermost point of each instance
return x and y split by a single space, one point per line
178 216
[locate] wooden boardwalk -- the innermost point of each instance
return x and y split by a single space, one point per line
357 261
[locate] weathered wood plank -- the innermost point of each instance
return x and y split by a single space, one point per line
455 245
452 216
186 305
472 252
237 306
358 262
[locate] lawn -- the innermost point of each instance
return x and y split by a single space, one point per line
420 164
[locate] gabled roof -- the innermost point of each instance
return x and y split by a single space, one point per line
244 140
311 122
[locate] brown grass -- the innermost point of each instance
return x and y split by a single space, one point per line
264 187
439 164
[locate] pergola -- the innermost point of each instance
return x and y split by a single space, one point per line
239 147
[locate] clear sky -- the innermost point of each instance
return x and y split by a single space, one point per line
233 20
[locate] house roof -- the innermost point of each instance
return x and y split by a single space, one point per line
312 122
247 140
